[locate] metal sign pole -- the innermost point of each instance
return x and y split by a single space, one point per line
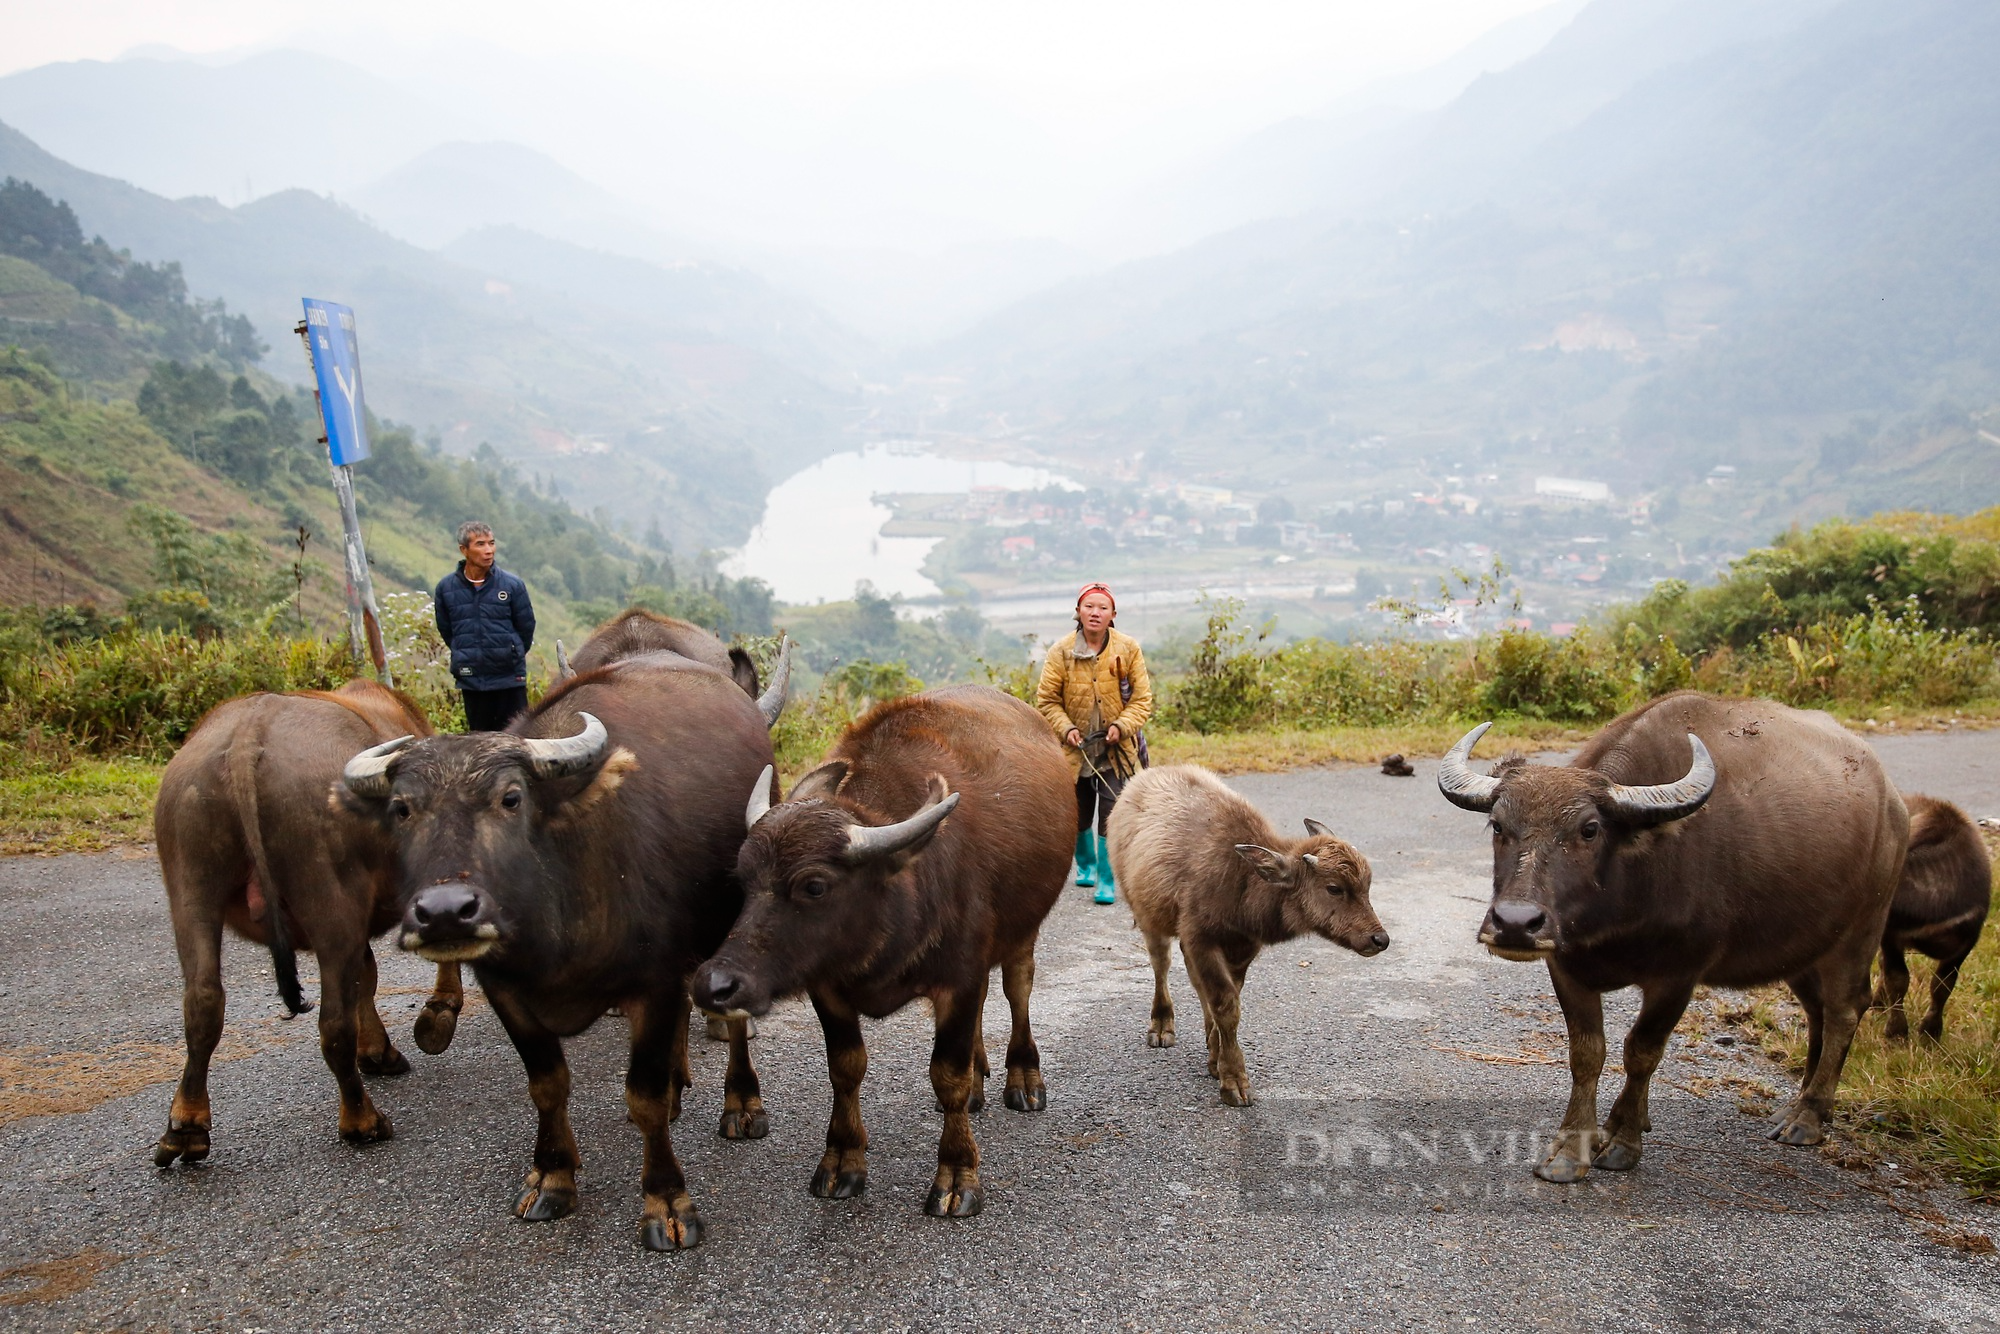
364 618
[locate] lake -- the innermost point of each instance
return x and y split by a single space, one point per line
822 528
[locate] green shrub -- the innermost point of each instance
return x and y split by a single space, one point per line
142 692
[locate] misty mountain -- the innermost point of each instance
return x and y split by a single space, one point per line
274 121
1335 154
455 188
1740 255
641 413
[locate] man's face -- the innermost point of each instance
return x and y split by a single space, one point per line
478 550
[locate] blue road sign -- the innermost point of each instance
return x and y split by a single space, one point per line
336 358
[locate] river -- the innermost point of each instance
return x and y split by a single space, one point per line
821 532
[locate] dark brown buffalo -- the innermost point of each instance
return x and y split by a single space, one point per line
1939 910
1772 855
246 841
637 631
582 859
859 892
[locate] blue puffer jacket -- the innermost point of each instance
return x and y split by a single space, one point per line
489 629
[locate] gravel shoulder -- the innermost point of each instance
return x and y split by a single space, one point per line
1136 1201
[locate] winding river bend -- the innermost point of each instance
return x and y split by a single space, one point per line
821 532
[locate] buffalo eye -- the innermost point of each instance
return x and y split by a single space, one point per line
400 809
512 800
813 889
1589 830
1498 832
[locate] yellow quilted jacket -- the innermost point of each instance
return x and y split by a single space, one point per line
1072 686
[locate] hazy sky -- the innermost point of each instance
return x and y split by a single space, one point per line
1096 61
908 124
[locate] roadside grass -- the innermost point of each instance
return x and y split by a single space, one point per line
87 806
1932 1104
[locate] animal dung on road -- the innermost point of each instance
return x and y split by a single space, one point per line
1395 766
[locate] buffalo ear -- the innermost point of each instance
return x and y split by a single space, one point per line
1316 829
823 782
1272 866
344 800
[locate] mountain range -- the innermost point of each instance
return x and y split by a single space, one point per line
1681 235
671 393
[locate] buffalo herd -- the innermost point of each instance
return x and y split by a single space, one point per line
624 847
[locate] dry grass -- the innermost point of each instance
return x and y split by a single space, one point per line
1934 1104
1275 751
86 807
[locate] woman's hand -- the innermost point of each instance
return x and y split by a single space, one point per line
1074 737
1111 734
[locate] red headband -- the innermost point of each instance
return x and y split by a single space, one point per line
1105 589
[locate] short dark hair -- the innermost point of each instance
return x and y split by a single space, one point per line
472 528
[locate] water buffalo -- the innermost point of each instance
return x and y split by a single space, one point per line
1939 910
1771 854
1198 861
246 841
638 631
582 859
859 892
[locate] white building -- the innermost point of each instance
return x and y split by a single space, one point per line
1574 489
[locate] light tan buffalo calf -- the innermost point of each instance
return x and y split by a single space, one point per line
1198 861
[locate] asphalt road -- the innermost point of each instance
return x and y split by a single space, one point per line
1136 1201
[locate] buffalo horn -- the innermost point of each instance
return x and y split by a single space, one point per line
367 774
772 702
1668 801
558 757
760 800
563 670
868 841
1461 786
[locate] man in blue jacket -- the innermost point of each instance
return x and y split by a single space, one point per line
485 618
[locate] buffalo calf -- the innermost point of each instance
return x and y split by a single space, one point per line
1200 863
1939 909
922 854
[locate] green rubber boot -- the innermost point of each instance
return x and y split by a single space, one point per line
1086 859
1107 887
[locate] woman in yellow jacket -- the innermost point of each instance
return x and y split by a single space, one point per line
1096 693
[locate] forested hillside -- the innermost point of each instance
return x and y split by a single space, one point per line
148 467
678 394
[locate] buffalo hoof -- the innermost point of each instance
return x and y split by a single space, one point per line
186 1142
434 1029
543 1202
957 1197
744 1123
1617 1156
1562 1170
368 1129
671 1229
386 1066
1160 1035
1031 1095
1797 1129
1236 1091
830 1183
